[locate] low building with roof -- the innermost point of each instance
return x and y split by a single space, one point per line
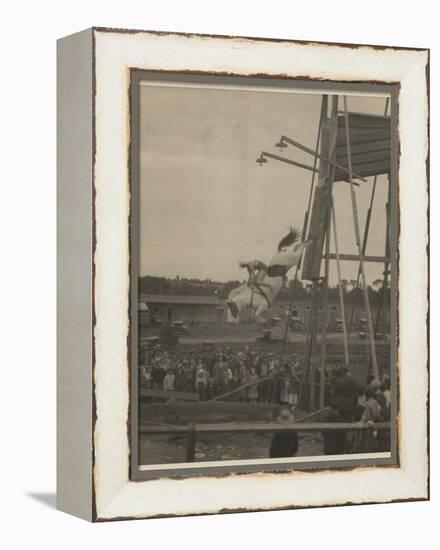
191 309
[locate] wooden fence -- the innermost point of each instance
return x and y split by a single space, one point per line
250 427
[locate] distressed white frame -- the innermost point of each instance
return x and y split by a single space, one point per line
115 495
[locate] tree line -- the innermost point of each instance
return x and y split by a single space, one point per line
300 290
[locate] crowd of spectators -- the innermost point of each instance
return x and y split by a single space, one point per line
350 402
258 376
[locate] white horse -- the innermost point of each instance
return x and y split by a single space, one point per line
265 282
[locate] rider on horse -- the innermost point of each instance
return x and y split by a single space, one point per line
265 281
256 269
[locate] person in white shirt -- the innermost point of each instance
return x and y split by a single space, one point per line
168 381
201 382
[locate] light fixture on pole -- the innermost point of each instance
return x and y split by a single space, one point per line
281 144
261 160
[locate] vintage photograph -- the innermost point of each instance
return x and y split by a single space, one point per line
266 274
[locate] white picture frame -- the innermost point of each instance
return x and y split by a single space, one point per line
94 274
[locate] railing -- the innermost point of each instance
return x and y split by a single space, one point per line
247 427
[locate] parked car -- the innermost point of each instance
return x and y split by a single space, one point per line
362 328
179 327
151 341
276 331
296 325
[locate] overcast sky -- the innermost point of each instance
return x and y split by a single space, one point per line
205 202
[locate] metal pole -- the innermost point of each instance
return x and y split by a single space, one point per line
311 329
324 303
288 161
359 245
320 156
383 303
341 294
310 346
292 299
324 317
364 247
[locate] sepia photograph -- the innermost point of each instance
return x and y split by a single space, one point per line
242 257
265 274
227 225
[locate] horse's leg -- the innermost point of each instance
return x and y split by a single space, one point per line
234 309
259 314
238 298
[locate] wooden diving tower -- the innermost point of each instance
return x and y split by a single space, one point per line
350 147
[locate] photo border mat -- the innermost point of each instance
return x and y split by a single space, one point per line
249 85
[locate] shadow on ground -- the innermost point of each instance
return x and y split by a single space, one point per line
48 499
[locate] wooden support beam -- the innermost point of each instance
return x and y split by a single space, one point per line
259 427
145 393
324 302
366 169
362 136
325 320
192 441
362 120
355 148
355 258
366 157
367 147
359 244
341 291
318 220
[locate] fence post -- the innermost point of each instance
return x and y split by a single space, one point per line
191 448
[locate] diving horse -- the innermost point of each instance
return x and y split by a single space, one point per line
265 282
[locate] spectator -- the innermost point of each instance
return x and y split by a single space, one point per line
386 390
264 387
284 389
376 386
334 440
180 379
355 437
168 382
360 405
384 435
344 394
372 414
145 377
218 375
284 444
253 389
202 383
228 378
292 394
157 375
372 410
